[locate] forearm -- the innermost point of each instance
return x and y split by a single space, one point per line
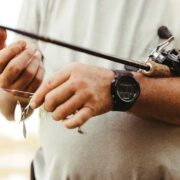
159 99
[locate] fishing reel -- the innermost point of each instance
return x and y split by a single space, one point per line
167 60
170 58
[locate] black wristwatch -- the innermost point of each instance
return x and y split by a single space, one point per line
125 90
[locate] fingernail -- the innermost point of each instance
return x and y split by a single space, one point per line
33 105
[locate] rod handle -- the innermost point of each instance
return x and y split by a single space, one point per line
157 70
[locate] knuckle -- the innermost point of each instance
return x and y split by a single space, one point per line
39 53
36 57
91 111
50 102
29 52
47 107
51 99
95 98
49 83
55 117
73 86
89 92
14 69
81 82
76 84
61 113
13 50
21 44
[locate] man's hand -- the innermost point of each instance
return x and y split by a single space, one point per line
79 89
21 67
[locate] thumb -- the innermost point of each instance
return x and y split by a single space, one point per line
3 36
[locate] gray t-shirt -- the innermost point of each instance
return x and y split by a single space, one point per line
116 145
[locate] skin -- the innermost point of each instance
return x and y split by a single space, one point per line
21 68
159 99
3 36
66 93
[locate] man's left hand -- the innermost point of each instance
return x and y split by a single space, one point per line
80 90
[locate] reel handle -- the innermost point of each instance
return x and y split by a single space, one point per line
157 70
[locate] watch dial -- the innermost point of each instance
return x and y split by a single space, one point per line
127 89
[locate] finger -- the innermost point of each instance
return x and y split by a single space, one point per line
26 77
3 37
69 107
17 65
79 118
56 80
10 52
33 86
58 96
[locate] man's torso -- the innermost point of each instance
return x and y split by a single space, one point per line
114 145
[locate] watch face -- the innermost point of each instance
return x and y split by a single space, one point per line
127 88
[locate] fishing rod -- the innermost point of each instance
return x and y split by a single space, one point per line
79 49
160 61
